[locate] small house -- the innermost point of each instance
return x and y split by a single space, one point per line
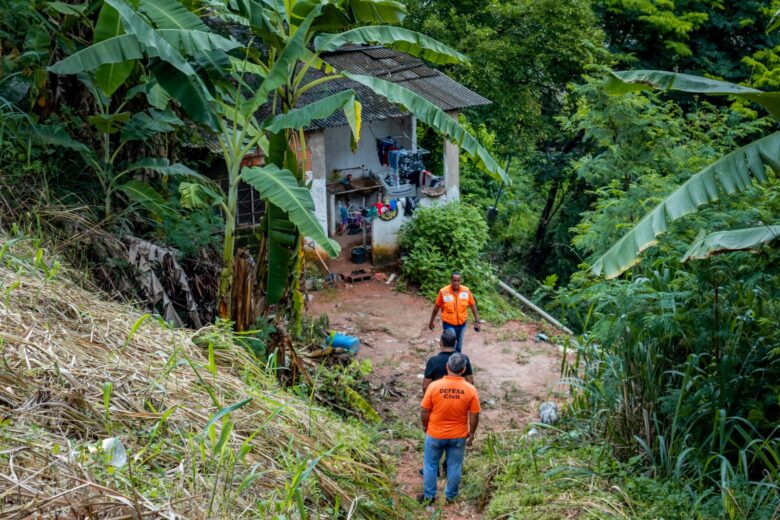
367 195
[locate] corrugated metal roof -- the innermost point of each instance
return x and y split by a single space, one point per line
390 65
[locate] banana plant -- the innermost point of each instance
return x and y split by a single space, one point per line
296 34
114 125
729 175
209 76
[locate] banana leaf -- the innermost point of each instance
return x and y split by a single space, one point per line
434 117
192 43
320 109
154 45
68 9
147 197
163 166
170 14
410 42
109 123
378 11
284 65
111 76
636 80
730 174
145 125
280 188
189 91
118 49
198 196
734 240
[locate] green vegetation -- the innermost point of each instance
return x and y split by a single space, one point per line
452 238
116 413
117 118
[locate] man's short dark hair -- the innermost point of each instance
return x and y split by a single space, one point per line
456 273
457 363
449 338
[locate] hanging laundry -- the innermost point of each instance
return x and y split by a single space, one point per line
383 146
392 158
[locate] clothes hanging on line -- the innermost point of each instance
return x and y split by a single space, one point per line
383 146
392 159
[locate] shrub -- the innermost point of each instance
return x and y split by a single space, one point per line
442 240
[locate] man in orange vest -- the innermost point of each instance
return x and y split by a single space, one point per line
454 301
450 416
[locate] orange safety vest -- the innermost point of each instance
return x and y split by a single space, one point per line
454 306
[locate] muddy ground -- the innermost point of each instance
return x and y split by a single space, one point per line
513 372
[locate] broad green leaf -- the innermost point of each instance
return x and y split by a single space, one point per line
434 117
109 123
148 197
170 14
730 174
733 240
68 9
187 90
56 136
144 125
114 50
155 46
192 43
378 11
163 166
198 196
111 76
280 187
410 42
636 80
240 66
284 65
157 96
353 112
302 117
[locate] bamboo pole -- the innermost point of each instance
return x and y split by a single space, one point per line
535 308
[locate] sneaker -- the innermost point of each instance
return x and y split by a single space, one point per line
451 500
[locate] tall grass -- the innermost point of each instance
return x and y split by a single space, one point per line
680 370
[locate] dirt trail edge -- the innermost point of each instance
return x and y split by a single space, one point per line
512 372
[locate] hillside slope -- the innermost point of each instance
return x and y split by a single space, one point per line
107 414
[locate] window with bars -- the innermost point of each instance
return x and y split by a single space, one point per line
250 208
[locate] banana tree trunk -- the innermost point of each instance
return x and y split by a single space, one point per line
225 293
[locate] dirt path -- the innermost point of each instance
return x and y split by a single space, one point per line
512 372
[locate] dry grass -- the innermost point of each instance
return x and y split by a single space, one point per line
61 344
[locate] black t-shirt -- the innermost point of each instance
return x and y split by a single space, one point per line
436 367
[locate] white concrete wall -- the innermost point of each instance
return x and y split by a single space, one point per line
384 234
337 144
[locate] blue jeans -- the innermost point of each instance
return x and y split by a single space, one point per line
459 329
434 449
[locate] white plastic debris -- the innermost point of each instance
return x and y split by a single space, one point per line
116 449
548 412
